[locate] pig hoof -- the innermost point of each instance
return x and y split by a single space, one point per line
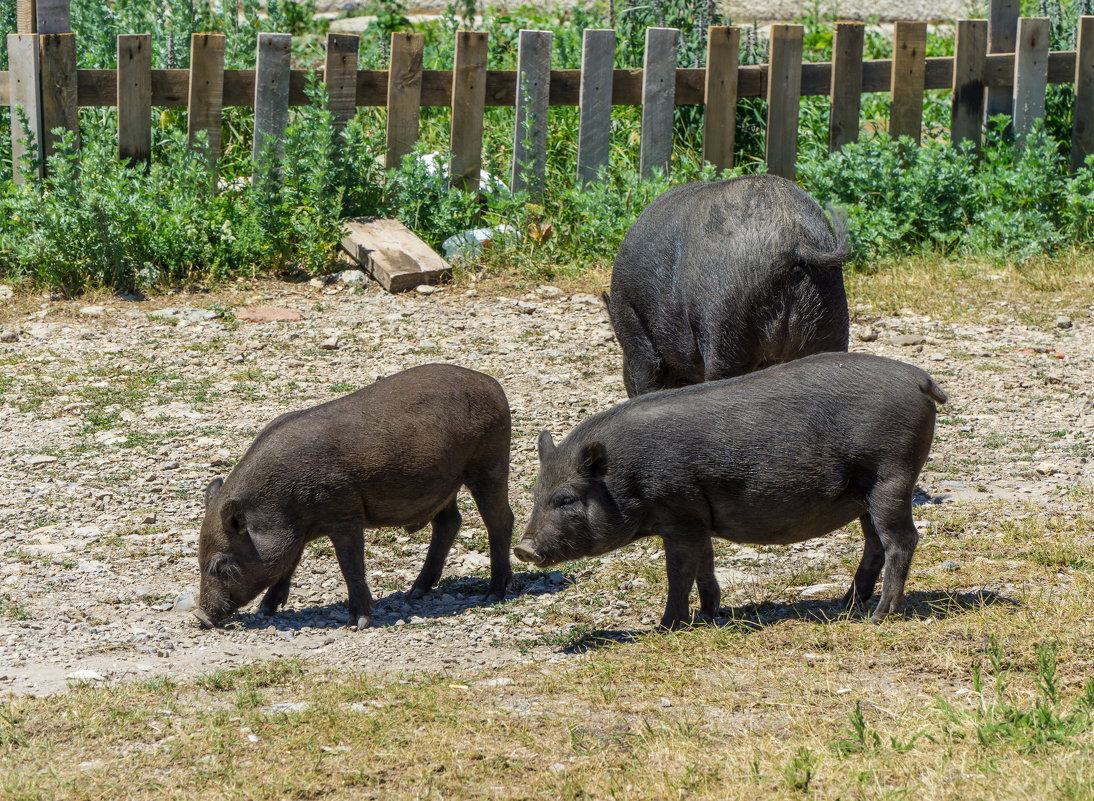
416 594
362 622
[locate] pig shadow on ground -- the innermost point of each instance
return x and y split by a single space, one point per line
748 618
463 593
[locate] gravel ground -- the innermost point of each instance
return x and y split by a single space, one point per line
114 416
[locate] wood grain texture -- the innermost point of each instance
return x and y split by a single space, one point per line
908 80
404 95
468 103
594 101
1030 74
59 106
134 89
1082 125
52 16
205 95
25 92
1002 36
273 63
26 17
845 86
340 77
783 100
658 100
967 115
532 103
720 96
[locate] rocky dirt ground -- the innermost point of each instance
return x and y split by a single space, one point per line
115 413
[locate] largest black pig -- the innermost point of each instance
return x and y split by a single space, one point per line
723 278
777 456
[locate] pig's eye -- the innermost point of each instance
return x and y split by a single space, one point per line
565 499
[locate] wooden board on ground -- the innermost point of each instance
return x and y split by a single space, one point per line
389 252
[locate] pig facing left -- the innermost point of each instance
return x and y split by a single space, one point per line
392 454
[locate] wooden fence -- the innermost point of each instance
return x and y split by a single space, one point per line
43 79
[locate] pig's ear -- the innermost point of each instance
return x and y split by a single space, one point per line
212 490
594 460
231 517
546 444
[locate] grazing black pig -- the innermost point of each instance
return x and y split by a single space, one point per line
777 456
719 279
392 454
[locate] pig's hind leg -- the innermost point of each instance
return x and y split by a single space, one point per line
890 509
710 594
873 558
491 494
445 527
349 547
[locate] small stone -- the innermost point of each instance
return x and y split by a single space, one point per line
85 675
172 465
40 459
524 307
417 619
665 702
500 681
558 767
352 277
1063 321
9 335
549 292
184 602
285 634
908 340
820 589
6 292
425 289
93 311
585 299
950 565
267 314
1047 468
867 334
556 578
330 343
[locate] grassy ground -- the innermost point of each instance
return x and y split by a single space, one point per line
981 688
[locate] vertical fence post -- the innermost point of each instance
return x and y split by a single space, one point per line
595 102
468 108
970 51
52 16
784 83
846 86
658 100
273 62
24 80
1082 125
135 97
1002 35
532 101
404 95
205 96
720 96
908 78
1030 74
340 76
26 17
59 108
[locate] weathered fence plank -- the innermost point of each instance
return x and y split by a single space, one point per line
533 94
468 104
720 96
1082 125
658 100
404 95
340 76
1002 35
908 80
206 91
59 107
595 102
1030 74
26 17
846 84
24 82
967 117
783 100
273 64
52 16
135 97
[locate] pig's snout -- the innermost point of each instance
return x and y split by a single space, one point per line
525 551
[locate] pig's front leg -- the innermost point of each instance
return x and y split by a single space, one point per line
278 592
683 557
349 547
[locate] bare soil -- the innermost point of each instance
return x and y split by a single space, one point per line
113 419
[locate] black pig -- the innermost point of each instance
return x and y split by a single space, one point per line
719 279
777 456
392 454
